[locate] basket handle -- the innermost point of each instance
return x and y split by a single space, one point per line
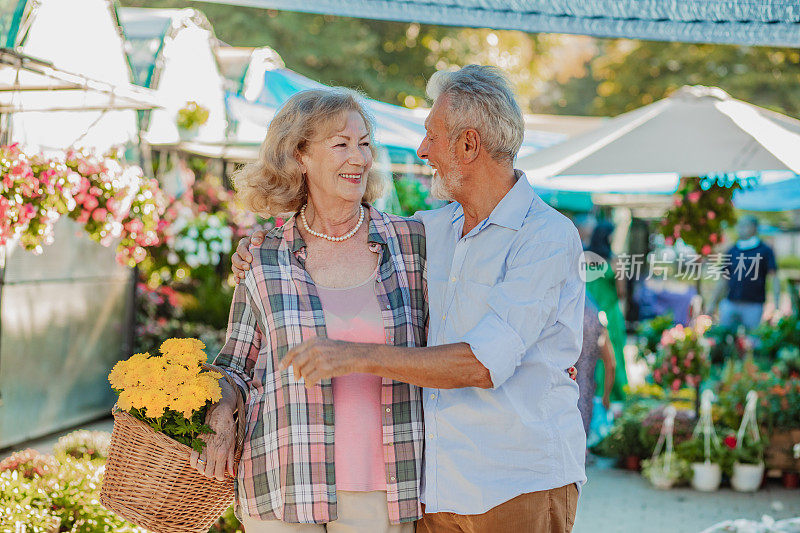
240 412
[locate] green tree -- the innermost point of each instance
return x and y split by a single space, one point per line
629 74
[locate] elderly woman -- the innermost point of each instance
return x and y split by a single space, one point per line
344 454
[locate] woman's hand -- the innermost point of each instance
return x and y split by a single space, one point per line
240 261
217 456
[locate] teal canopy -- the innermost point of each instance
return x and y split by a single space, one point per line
11 12
767 23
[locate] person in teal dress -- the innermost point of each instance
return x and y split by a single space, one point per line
601 286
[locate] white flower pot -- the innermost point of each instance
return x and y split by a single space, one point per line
706 477
661 481
747 478
188 135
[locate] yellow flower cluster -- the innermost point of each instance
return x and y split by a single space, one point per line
174 380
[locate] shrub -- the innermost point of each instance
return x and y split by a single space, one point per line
82 444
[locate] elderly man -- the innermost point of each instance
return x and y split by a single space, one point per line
505 444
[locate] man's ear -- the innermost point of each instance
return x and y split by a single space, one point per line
470 142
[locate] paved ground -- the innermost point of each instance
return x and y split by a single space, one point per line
617 501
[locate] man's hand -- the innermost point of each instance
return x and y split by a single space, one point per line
240 261
216 458
317 359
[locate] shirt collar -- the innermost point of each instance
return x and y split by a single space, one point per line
378 232
510 212
748 244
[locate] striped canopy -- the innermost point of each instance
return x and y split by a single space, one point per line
767 22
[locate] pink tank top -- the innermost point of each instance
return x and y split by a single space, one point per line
352 314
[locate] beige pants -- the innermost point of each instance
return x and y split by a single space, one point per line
359 512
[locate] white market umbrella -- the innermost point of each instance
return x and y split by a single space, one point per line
695 131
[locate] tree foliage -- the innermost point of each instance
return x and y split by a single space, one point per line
629 74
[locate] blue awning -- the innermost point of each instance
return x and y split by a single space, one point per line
767 23
781 196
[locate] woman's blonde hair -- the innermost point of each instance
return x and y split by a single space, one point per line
274 184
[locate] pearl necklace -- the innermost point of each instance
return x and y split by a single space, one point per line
328 237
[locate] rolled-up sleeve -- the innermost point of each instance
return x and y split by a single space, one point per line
243 341
521 306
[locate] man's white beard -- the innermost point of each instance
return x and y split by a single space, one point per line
442 187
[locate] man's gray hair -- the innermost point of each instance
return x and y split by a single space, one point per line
480 98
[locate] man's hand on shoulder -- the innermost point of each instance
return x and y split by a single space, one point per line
241 260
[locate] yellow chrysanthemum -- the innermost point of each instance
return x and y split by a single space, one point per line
187 352
131 397
189 398
127 373
177 374
155 401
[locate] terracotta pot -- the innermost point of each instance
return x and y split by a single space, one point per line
632 462
706 477
790 480
747 478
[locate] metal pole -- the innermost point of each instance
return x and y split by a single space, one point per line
2 283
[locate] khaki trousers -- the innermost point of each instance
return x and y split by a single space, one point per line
547 511
359 512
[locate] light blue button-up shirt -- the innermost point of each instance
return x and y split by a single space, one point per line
511 289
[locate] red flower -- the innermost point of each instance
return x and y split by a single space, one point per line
730 442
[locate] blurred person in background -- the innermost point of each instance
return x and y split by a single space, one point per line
748 265
596 345
603 287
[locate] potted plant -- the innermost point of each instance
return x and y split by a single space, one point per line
706 472
682 356
623 441
664 471
190 118
748 462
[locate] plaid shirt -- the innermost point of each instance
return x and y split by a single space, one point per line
287 466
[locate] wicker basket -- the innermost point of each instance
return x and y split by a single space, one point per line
149 482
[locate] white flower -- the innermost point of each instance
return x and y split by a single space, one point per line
203 257
192 261
214 222
172 258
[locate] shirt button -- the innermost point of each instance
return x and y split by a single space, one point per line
388 410
453 279
392 478
444 317
433 396
430 435
388 306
